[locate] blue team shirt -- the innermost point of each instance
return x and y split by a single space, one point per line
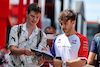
53 49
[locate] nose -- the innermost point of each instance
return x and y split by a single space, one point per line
35 18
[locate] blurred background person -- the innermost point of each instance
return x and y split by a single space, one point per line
4 56
49 30
94 54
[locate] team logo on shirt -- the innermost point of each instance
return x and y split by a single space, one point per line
59 40
73 41
64 46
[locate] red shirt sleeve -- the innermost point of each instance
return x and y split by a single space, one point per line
84 49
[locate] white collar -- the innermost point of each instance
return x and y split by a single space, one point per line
35 29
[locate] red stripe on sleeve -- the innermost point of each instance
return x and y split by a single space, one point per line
84 49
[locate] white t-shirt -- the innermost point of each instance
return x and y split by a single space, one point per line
70 48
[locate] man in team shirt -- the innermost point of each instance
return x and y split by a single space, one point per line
70 48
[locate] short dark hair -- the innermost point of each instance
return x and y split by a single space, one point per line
66 15
34 7
50 27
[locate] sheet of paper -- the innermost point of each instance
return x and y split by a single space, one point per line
45 54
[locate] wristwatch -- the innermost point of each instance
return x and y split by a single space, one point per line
64 64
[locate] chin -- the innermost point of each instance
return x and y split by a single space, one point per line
64 31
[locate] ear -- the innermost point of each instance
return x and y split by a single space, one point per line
73 22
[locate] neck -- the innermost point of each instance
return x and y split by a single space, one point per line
30 27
